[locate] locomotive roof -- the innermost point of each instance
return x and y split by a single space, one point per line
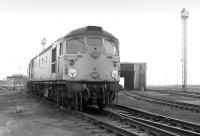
82 31
90 30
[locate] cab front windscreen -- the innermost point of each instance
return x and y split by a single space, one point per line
75 46
110 47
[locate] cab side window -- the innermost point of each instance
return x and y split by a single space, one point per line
61 49
53 61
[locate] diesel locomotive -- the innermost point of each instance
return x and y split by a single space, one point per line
81 68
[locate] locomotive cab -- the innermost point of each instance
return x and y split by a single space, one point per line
92 62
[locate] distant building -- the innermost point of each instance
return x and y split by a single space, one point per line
3 83
17 81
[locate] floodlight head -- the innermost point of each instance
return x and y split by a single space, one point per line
182 10
184 14
43 41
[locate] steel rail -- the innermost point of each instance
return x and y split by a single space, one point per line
160 118
124 126
168 129
135 128
187 94
170 124
190 106
185 106
181 103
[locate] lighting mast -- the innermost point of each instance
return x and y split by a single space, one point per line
184 17
43 42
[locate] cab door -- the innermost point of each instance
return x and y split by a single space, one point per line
60 67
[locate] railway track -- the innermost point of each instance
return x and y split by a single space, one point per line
180 105
180 93
122 120
122 125
176 126
112 123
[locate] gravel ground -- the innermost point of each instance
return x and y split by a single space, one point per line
159 109
21 116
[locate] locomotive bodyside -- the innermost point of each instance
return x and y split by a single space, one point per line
82 68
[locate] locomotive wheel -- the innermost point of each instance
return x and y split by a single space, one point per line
81 102
58 101
78 101
58 97
100 104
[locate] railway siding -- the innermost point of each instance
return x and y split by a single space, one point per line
163 110
158 120
119 124
186 94
180 105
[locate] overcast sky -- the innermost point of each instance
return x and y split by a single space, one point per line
148 30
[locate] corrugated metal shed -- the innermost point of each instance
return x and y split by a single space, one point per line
140 76
134 75
127 66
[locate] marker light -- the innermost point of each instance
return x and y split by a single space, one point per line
114 74
72 73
